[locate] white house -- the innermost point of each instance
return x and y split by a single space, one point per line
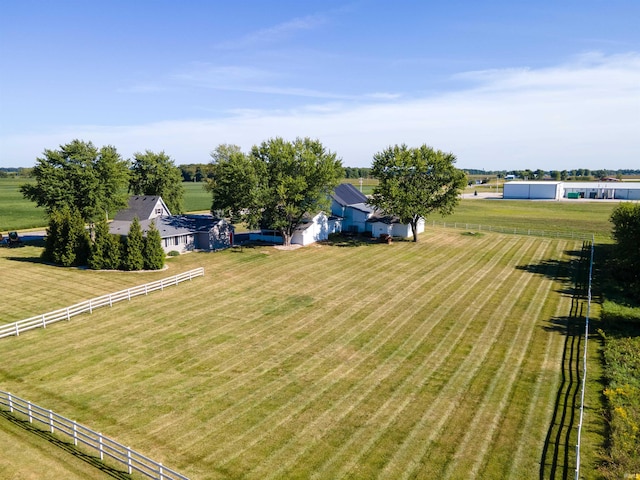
359 217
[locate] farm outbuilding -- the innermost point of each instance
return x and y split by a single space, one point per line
532 190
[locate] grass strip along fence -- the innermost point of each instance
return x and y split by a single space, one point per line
515 230
45 319
584 371
80 434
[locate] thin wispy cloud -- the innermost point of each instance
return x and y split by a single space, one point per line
274 34
510 119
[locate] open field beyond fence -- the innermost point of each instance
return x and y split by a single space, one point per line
441 359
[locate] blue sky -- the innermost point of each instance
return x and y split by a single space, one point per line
501 84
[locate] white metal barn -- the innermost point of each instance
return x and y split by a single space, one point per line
533 190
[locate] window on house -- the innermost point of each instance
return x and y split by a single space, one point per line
158 211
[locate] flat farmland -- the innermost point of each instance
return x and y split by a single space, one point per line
440 359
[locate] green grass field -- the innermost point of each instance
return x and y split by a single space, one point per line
441 359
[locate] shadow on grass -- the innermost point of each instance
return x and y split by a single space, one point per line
66 446
558 459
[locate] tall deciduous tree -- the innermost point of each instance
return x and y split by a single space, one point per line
80 177
626 232
156 174
276 185
415 182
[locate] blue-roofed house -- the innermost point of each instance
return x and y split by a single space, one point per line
181 233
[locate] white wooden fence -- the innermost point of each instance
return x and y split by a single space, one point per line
514 230
104 447
88 306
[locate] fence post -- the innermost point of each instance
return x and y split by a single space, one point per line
129 293
146 291
44 321
51 421
160 471
29 410
90 306
10 402
75 433
17 330
110 300
100 446
129 469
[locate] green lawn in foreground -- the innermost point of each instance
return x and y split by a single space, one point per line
439 359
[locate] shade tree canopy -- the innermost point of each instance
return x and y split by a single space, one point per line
81 177
156 174
274 186
416 182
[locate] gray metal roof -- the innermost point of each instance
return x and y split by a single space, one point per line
140 206
169 226
346 194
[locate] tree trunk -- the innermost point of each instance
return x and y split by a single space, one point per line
414 229
286 238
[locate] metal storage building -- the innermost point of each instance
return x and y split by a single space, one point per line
532 190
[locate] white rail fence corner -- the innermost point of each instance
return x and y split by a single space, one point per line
103 446
41 321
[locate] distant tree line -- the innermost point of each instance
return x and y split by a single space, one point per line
581 174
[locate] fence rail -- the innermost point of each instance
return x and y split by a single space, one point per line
514 230
41 321
80 434
584 361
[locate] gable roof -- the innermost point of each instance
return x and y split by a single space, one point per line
141 206
169 226
346 194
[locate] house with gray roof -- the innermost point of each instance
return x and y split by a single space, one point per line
181 233
357 216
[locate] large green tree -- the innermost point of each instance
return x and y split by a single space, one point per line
626 232
80 177
156 174
276 185
415 182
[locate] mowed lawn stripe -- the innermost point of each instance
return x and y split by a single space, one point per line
452 397
391 367
489 413
402 389
322 334
347 401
